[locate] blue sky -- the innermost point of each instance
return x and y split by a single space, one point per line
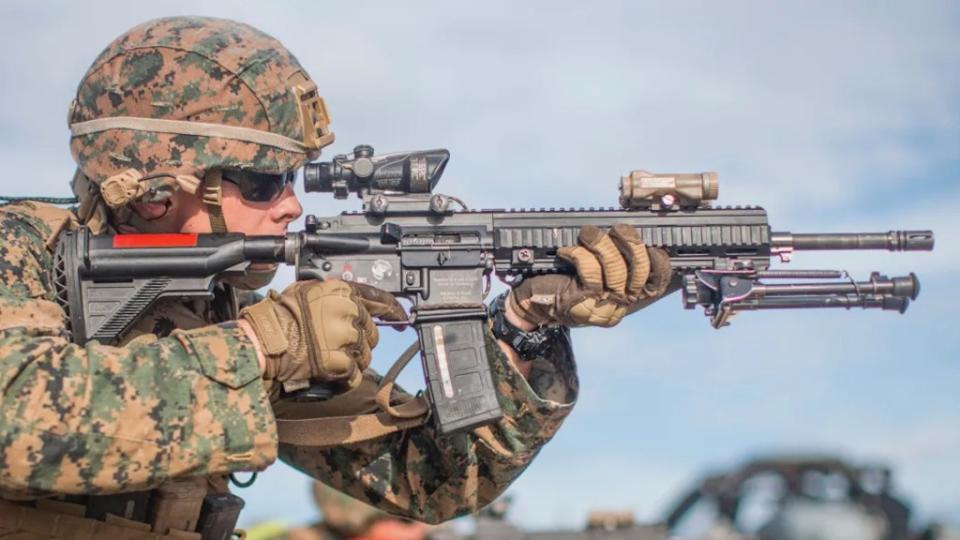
832 116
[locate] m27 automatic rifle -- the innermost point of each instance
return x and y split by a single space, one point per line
432 250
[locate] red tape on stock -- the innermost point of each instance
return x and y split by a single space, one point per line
154 240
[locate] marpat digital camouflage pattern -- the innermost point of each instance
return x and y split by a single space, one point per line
183 395
227 95
196 69
100 419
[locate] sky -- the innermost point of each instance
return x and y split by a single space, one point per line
833 116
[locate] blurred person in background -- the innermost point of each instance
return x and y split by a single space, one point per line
345 518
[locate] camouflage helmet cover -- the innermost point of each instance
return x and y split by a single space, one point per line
183 95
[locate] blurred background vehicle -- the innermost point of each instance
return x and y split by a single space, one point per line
772 498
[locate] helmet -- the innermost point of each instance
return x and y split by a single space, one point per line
175 98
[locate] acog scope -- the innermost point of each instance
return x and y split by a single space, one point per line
401 172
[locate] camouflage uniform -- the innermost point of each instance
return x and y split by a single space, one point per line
100 419
183 395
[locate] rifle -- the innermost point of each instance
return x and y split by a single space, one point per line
414 244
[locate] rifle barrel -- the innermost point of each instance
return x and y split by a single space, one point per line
889 241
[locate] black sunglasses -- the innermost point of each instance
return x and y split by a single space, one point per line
259 187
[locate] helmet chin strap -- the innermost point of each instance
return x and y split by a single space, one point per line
213 197
120 191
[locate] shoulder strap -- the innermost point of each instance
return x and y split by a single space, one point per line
414 408
334 431
340 430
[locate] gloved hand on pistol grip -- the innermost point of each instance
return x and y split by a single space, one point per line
616 275
320 331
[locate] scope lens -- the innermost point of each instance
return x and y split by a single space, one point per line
318 177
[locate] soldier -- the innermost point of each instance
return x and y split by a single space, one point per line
345 518
194 125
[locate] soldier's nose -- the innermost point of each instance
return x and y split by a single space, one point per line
287 208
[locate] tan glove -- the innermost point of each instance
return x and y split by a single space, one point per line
320 330
616 275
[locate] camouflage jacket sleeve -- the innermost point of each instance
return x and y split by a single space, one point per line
98 419
422 475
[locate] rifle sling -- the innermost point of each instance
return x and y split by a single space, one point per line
414 408
331 431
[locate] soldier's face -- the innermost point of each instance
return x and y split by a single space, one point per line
188 214
259 218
